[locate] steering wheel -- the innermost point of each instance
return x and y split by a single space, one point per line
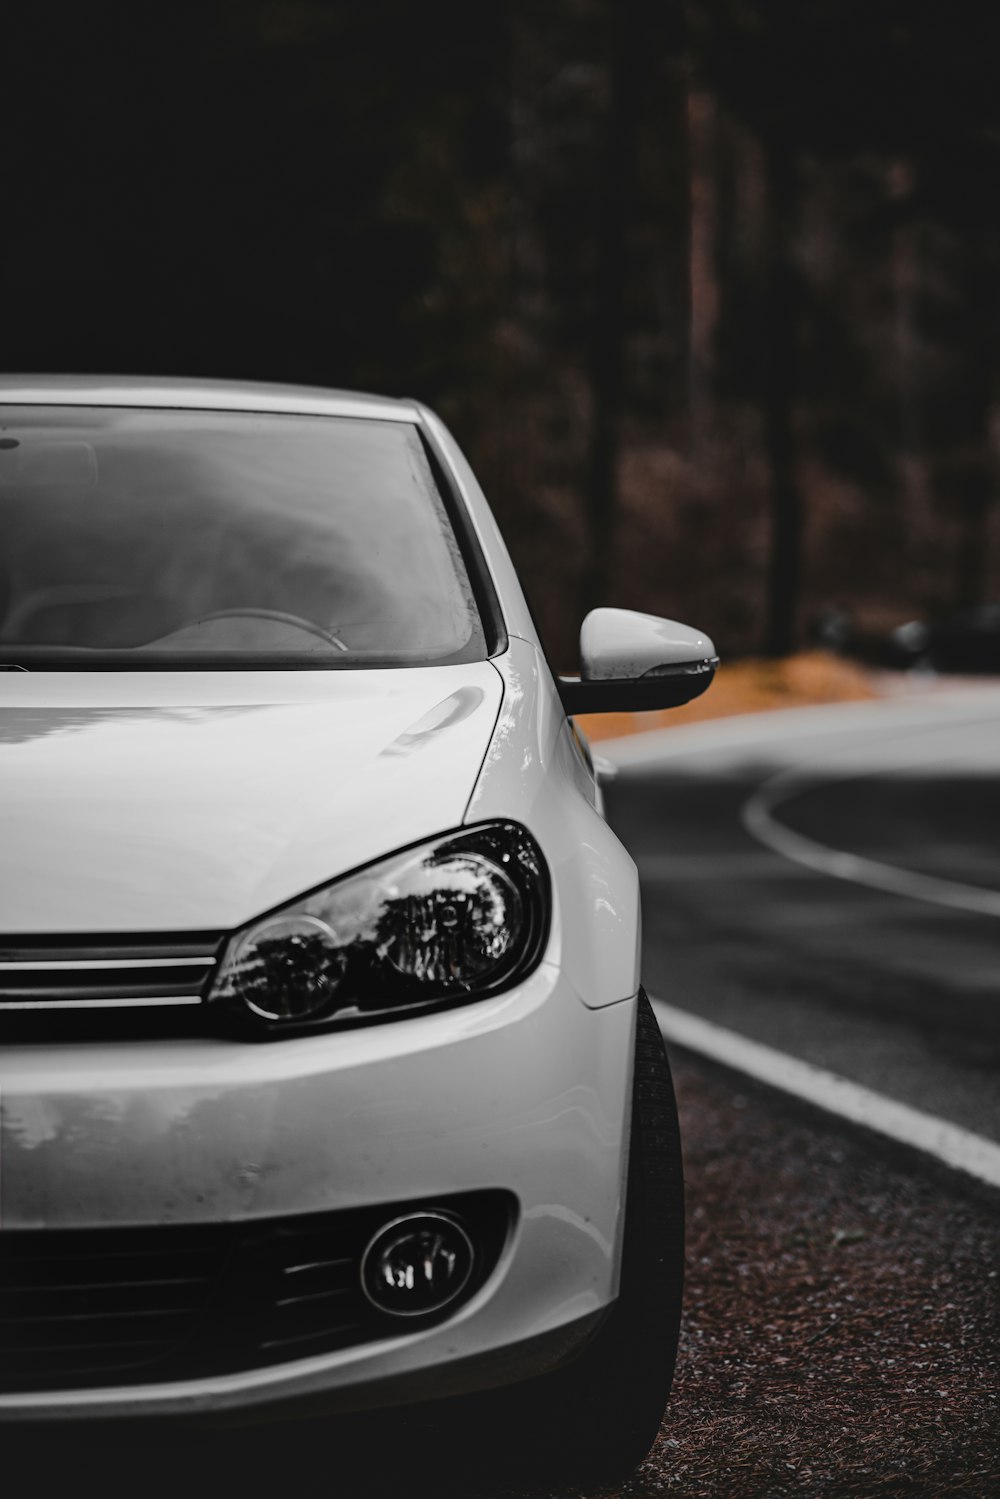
295 620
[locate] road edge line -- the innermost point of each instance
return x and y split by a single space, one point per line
959 1149
758 818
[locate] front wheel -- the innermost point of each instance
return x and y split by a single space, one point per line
598 1418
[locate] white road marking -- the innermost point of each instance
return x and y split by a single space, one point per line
895 753
758 819
957 1148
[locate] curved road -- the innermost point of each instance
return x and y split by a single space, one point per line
827 882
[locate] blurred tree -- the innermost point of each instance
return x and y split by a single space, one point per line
608 317
709 290
820 81
779 393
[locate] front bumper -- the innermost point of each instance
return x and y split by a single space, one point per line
528 1093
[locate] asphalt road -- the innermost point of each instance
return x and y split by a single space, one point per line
827 882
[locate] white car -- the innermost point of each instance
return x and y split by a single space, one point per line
327 1081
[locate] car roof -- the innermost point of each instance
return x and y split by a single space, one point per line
200 395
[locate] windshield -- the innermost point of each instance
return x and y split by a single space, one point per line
145 538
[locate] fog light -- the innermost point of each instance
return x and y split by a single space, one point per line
417 1264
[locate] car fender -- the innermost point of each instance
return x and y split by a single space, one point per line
534 773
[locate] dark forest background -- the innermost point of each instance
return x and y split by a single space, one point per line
709 292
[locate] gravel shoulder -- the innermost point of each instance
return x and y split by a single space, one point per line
842 1328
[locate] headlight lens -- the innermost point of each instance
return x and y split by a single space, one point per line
463 916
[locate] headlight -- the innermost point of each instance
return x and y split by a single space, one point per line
461 917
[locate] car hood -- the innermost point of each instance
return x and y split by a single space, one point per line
195 801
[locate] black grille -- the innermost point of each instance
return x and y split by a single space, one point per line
100 1303
72 988
120 1306
66 972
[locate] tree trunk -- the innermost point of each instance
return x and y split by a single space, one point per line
607 342
975 468
704 281
784 571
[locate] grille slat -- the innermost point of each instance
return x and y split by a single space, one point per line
69 1320
298 1340
311 1296
164 986
103 965
110 1285
13 1258
82 951
69 1306
313 1265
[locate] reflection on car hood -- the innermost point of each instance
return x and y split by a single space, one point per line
187 801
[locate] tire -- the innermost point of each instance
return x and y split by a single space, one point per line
596 1420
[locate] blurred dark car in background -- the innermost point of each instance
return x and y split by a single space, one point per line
965 642
968 641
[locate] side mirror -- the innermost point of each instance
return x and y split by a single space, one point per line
633 662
